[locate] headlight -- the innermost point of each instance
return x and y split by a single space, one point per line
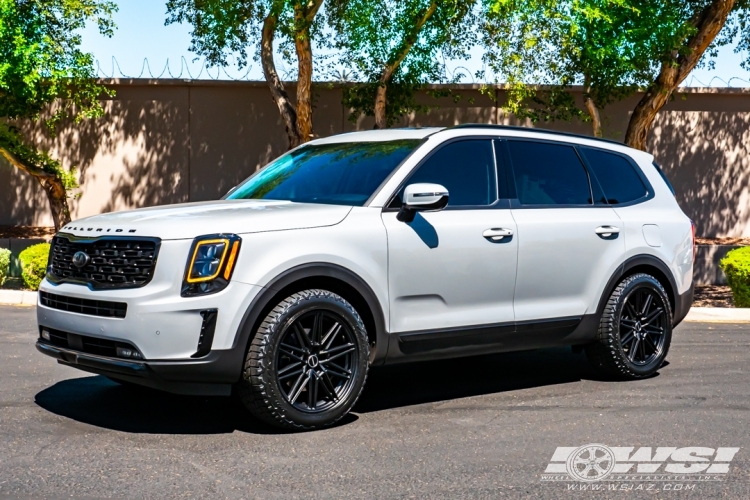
210 264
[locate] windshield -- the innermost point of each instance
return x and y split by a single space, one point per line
334 174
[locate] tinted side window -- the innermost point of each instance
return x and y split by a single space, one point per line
465 168
548 174
617 176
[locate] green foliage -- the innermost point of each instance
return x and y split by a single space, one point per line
11 140
4 264
34 264
360 98
223 28
736 267
374 34
40 58
612 47
41 64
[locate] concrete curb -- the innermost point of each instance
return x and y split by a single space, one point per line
18 297
719 315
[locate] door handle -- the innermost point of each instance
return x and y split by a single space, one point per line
497 233
607 231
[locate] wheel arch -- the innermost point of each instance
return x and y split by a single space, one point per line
647 264
331 277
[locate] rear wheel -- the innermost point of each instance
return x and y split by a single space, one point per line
307 364
635 330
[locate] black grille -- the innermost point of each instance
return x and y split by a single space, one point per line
112 262
84 343
84 306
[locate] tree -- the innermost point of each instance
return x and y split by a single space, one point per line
224 27
609 46
613 47
704 20
394 46
41 65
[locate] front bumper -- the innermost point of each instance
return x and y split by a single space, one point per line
212 375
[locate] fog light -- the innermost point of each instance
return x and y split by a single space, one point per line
125 352
45 334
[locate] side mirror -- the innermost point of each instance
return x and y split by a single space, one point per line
422 198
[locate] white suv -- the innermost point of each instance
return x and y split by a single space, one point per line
377 247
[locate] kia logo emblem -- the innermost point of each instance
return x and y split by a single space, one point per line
80 259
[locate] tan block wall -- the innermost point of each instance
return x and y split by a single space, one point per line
171 141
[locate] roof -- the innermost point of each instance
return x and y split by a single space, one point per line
391 134
537 130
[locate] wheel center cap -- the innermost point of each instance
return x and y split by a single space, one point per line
312 361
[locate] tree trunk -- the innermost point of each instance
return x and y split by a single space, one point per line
51 183
593 110
381 102
381 120
278 93
708 23
303 17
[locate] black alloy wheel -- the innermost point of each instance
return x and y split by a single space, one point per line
307 363
316 361
643 323
635 329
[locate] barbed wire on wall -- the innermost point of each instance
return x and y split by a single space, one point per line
727 83
221 73
184 73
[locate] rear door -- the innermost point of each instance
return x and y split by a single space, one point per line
568 236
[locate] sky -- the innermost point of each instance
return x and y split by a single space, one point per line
141 35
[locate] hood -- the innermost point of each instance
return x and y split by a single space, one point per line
189 220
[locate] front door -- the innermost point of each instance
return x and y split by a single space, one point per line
448 270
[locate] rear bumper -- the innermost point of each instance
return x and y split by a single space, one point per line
211 375
682 305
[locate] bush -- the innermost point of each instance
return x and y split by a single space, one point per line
4 264
736 266
34 264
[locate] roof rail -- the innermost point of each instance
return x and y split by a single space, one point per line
528 129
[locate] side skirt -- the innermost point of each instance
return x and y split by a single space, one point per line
485 339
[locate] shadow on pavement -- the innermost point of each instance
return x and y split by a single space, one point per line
98 401
427 382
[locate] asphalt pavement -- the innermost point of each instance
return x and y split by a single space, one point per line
482 427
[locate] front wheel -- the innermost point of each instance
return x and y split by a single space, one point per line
307 364
635 330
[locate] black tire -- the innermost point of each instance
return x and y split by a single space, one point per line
284 345
632 343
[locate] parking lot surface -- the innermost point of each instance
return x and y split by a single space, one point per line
482 427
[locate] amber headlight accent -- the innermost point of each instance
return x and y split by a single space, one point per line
211 263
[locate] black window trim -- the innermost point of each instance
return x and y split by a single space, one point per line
516 204
499 203
649 188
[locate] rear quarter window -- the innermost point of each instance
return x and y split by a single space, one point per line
617 176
